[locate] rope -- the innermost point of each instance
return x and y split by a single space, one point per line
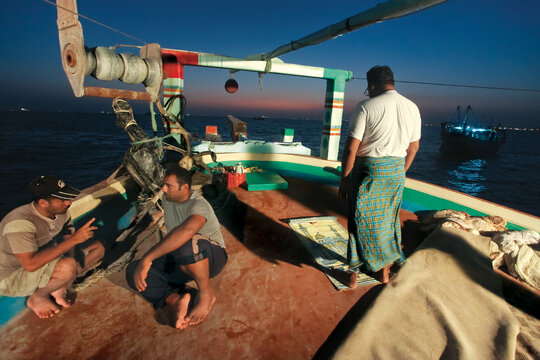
458 85
153 117
95 22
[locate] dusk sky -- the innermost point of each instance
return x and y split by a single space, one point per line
494 43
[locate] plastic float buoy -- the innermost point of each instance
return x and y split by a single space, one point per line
231 86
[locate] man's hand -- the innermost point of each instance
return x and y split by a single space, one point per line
141 272
84 233
343 188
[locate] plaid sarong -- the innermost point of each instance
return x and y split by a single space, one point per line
374 203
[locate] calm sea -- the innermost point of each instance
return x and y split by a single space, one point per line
85 148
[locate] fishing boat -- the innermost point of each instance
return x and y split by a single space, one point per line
461 137
274 299
260 117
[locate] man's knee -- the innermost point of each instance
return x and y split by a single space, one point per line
65 268
98 249
130 270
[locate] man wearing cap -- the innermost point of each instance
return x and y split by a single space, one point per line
35 240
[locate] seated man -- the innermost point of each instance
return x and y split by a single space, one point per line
33 261
192 250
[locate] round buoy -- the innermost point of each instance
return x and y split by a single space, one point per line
231 86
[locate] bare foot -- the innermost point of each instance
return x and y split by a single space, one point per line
201 310
42 307
384 275
177 307
63 298
348 278
352 280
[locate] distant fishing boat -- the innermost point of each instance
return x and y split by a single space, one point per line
261 117
460 137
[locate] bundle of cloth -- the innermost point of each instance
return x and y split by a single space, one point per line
519 250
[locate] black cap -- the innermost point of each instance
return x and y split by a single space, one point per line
50 185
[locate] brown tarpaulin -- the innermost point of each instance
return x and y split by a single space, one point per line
445 302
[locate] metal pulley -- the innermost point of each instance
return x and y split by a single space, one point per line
125 67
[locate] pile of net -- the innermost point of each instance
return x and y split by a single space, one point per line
518 250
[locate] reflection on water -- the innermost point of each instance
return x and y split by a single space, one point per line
467 176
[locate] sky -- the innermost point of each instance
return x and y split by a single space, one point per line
494 43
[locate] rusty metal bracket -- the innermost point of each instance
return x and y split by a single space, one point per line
114 93
71 39
154 83
78 61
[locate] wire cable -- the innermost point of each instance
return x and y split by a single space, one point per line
94 21
459 85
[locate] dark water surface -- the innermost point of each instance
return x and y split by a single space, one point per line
86 148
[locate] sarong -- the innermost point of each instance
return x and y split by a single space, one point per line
374 202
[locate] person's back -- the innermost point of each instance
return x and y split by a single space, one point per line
386 124
383 138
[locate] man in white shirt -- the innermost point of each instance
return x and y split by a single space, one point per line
382 141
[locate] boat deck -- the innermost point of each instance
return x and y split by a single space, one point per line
272 302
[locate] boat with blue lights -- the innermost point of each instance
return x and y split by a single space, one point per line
462 138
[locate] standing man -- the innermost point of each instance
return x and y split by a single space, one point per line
193 249
382 141
37 246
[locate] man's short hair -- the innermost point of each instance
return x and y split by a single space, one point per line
183 176
380 75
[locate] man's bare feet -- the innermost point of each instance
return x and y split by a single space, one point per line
63 298
43 307
352 280
205 301
348 278
384 275
177 308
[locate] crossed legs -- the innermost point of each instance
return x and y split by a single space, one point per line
172 270
62 277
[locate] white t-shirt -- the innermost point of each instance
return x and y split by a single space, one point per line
385 125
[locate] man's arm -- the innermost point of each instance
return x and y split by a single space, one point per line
347 163
31 261
176 238
411 153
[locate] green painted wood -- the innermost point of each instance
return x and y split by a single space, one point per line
267 180
413 200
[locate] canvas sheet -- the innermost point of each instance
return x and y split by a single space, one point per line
326 240
445 303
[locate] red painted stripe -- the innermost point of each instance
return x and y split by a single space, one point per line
174 61
173 90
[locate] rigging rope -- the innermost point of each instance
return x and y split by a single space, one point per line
94 21
458 85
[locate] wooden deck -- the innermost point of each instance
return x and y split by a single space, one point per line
272 302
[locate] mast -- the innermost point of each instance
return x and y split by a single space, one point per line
385 11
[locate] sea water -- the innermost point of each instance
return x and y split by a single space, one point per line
86 148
